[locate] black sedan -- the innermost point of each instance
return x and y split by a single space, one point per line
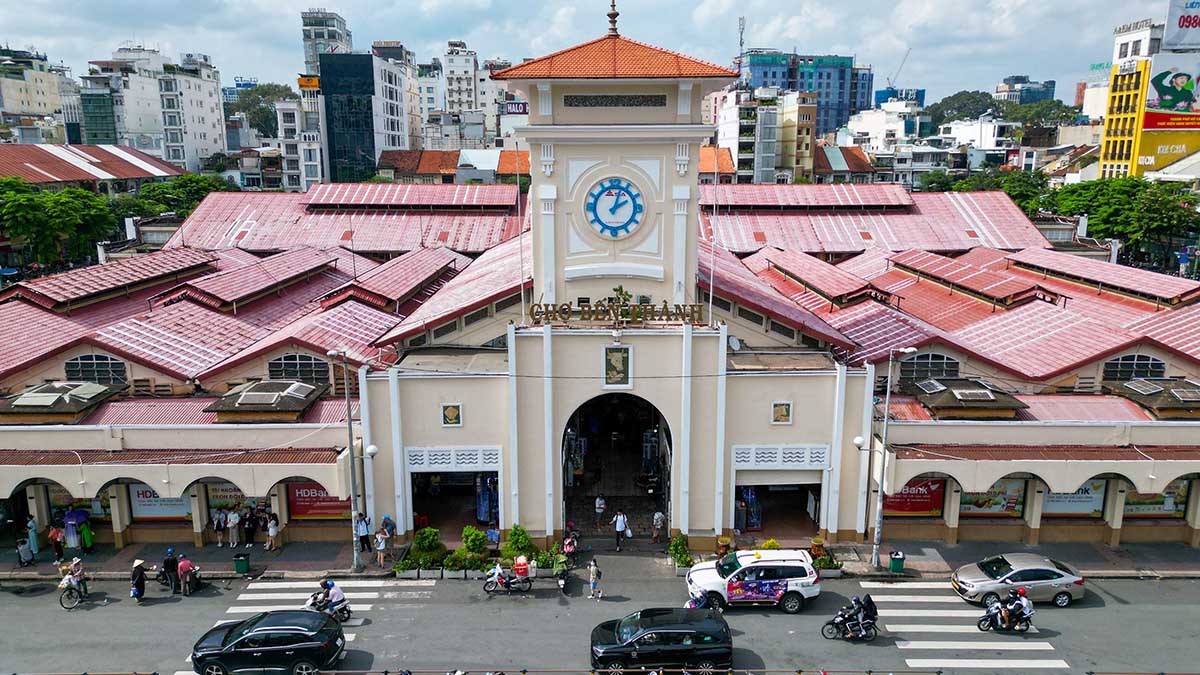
697 640
298 642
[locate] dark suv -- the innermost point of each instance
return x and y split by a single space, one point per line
695 639
297 642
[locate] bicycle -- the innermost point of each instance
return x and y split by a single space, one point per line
71 594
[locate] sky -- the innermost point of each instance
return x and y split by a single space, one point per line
956 44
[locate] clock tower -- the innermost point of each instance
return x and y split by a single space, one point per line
614 135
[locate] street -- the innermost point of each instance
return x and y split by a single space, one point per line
452 624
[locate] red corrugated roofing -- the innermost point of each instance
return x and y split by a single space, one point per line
172 456
612 57
248 281
386 195
908 409
330 411
826 279
85 282
399 278
878 328
513 162
496 274
1082 408
229 258
734 281
869 264
1082 453
165 411
994 285
1141 282
932 302
985 258
841 195
1178 329
80 163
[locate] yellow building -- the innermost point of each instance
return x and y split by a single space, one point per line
1129 148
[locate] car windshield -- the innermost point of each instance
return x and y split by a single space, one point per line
728 565
628 627
1063 567
242 629
995 567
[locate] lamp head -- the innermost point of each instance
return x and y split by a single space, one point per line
333 353
859 442
372 450
906 350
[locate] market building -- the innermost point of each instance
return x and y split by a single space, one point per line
723 352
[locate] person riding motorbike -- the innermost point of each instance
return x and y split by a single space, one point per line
1016 606
854 616
331 595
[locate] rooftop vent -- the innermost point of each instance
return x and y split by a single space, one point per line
931 386
267 401
974 395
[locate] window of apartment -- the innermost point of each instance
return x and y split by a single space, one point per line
1123 50
289 117
312 171
310 155
1136 48
926 366
292 164
1133 366
97 368
299 367
291 149
289 132
293 181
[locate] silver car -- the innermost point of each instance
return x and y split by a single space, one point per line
1044 580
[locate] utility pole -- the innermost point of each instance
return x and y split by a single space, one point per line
741 45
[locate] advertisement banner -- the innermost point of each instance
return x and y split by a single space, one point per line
1183 25
1170 503
226 496
62 501
1171 96
310 501
145 504
1086 502
1006 499
920 497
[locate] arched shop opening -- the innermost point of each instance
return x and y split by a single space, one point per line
617 445
24 500
454 487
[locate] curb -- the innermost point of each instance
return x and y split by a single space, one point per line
1146 575
214 575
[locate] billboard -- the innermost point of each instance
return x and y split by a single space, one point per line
1006 499
145 504
1086 502
1160 148
1183 25
919 497
62 501
1171 102
310 501
1170 503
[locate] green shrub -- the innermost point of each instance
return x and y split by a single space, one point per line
427 540
474 540
770 545
826 562
518 543
679 552
544 559
462 559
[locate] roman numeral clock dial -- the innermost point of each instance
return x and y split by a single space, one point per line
614 208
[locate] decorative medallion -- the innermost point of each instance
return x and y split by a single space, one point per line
614 208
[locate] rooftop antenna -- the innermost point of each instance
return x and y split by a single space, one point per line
741 44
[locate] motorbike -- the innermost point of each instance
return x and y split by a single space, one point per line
570 548
699 601
499 580
562 571
837 628
195 583
992 620
339 611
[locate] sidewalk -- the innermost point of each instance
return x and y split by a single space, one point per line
936 560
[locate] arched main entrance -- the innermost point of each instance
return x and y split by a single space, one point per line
617 445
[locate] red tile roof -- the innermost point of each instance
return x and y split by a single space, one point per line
172 456
403 162
393 282
78 285
438 162
80 163
612 57
1168 289
387 195
786 197
714 159
513 162
992 285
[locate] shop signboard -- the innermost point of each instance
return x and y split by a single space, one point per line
61 500
1183 25
1171 102
226 496
310 501
920 497
1006 499
1086 502
145 504
1170 503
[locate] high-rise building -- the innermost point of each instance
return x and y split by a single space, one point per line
748 125
1020 89
28 84
240 84
893 94
299 145
842 88
461 67
368 106
880 129
797 133
431 88
491 94
70 112
324 33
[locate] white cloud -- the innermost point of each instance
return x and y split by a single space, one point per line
709 10
559 32
429 7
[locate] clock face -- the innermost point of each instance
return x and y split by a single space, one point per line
614 208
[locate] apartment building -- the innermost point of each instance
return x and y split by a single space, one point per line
1021 89
880 129
431 88
299 144
842 87
748 124
462 66
28 84
323 33
368 106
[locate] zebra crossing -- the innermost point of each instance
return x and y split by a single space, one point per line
931 624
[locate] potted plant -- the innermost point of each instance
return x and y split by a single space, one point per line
680 554
543 562
406 568
828 567
770 545
429 552
475 544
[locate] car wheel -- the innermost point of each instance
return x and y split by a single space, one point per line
615 667
716 601
990 599
791 603
305 668
214 669
1062 599
706 667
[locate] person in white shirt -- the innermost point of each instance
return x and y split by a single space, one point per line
601 506
622 524
232 526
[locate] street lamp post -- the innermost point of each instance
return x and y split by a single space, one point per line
340 354
887 404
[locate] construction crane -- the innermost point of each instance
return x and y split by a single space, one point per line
891 81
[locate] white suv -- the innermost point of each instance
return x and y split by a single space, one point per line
778 577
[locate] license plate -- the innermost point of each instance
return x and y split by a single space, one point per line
339 642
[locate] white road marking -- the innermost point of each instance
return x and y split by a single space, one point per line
1014 645
931 612
369 595
349 583
353 623
185 672
255 609
1014 665
916 598
350 636
936 628
188 659
904 584
406 595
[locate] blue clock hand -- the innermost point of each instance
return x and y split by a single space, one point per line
616 205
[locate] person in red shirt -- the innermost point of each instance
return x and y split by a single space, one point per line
185 573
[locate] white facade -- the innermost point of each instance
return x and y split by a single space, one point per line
984 133
748 124
909 162
300 145
880 129
28 85
1138 39
491 94
1095 100
68 96
461 65
137 106
323 33
395 110
431 88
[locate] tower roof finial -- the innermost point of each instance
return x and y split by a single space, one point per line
612 19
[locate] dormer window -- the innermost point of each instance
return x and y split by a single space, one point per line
299 368
97 368
1133 366
927 366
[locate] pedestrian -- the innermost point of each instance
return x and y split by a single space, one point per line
272 532
85 536
56 536
249 526
233 524
657 524
170 567
622 524
137 581
381 542
594 574
31 526
389 526
185 569
362 527
219 520
601 505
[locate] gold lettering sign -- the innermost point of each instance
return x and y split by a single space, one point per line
616 313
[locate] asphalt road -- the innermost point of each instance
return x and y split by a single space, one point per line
1146 626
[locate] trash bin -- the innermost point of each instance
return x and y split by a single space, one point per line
896 566
241 563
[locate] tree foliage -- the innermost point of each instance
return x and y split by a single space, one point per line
1129 208
54 226
961 106
971 104
1026 188
259 105
183 193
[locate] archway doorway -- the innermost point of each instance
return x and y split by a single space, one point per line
619 446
